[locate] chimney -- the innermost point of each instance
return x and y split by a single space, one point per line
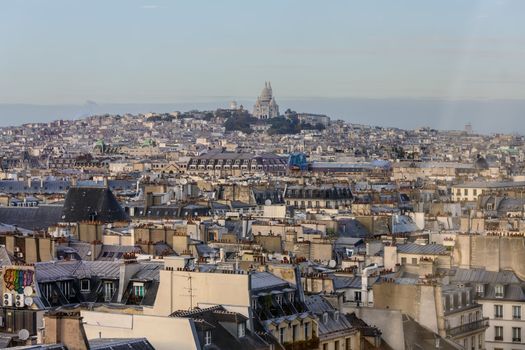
148 202
65 328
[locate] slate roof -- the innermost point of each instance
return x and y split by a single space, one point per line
32 218
92 203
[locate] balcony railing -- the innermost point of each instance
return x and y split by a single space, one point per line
468 327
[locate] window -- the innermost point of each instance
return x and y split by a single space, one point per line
357 295
403 261
336 316
65 288
498 333
337 346
85 285
138 289
291 297
279 299
294 333
475 192
109 289
516 312
465 192
281 335
325 318
325 346
348 344
498 290
207 338
241 329
498 311
414 261
480 289
516 334
306 330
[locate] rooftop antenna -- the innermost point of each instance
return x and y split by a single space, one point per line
190 291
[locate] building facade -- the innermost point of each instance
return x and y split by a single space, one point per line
265 107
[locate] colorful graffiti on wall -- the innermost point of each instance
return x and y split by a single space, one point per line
16 279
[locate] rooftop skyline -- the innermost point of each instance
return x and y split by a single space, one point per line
205 52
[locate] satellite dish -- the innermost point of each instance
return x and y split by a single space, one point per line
332 264
267 202
28 301
23 334
28 291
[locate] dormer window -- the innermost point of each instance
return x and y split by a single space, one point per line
85 285
279 299
291 297
207 338
336 316
498 291
480 289
241 329
138 289
325 318
109 290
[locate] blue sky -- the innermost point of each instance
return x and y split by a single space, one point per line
126 51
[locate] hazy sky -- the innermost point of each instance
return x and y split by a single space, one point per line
58 52
385 53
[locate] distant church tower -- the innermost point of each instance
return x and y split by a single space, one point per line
265 107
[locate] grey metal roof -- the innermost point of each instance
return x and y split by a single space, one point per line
31 218
120 343
150 271
319 305
483 276
263 280
5 259
347 282
412 248
63 270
